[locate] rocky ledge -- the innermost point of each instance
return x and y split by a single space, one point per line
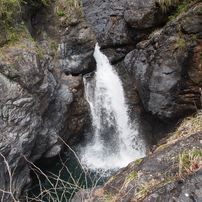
171 172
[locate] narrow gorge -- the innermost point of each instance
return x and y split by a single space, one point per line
46 63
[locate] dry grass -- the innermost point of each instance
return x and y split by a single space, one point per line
165 4
67 5
188 126
191 125
144 188
188 161
185 163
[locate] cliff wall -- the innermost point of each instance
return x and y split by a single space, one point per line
44 53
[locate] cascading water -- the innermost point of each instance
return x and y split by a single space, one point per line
113 141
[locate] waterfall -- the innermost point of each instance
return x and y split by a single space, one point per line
113 141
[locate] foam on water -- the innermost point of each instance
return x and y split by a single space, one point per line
113 141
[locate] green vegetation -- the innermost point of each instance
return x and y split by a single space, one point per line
166 4
108 197
133 175
45 2
54 45
180 9
180 42
176 6
184 163
61 13
194 37
188 161
200 11
11 24
154 32
144 188
137 161
8 8
66 6
13 33
70 9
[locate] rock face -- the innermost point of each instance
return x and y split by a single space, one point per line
41 92
119 25
163 66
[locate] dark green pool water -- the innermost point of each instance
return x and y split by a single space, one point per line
65 176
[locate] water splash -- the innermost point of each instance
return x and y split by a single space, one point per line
113 141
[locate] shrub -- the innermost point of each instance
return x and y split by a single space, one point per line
8 8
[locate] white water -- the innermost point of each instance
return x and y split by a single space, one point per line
113 141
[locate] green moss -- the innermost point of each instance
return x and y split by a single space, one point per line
61 13
174 135
14 33
180 42
137 161
200 11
